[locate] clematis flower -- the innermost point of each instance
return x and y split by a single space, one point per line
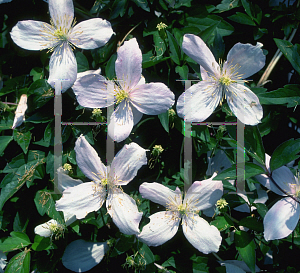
60 37
87 197
133 97
237 266
164 225
221 80
282 218
20 112
50 229
3 261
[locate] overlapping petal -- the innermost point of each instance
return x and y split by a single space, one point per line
152 98
124 212
244 104
91 33
43 229
90 165
281 219
81 256
200 234
65 181
61 12
20 112
128 65
126 163
162 227
63 67
81 199
199 101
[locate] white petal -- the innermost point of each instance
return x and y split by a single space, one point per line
127 162
88 72
61 12
244 104
3 261
121 122
162 227
198 102
65 181
81 256
82 199
247 58
281 219
218 163
91 33
20 112
200 234
238 264
160 194
152 98
129 64
194 47
62 66
124 212
88 160
204 194
137 115
209 212
29 35
44 229
92 91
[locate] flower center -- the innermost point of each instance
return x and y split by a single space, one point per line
182 209
120 95
61 33
221 203
225 80
104 182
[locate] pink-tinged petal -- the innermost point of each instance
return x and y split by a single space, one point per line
121 122
245 59
194 47
81 256
93 90
204 194
88 72
162 227
244 104
29 35
129 64
82 199
124 211
61 12
281 219
91 33
200 234
65 181
126 163
20 111
160 194
199 101
152 98
88 160
62 66
137 115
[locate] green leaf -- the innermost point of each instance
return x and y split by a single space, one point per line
142 4
262 209
4 141
159 45
118 9
150 60
253 143
285 153
290 52
6 122
174 48
23 139
41 243
182 71
227 5
37 73
208 34
252 223
48 136
41 93
16 241
241 18
124 243
147 254
252 10
20 263
82 62
110 67
246 247
164 120
222 223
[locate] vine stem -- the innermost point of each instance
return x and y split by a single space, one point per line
217 256
120 43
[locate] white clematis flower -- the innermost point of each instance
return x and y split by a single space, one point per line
20 112
87 197
283 217
3 261
199 101
60 37
50 229
164 225
133 97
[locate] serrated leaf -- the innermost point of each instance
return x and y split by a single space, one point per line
20 263
16 241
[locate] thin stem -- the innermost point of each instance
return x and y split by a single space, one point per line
217 257
120 43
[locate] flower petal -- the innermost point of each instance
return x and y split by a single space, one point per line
194 47
92 91
200 234
82 199
162 227
61 12
152 98
124 212
126 163
65 181
28 34
81 256
129 64
88 160
88 72
160 194
44 229
204 194
20 111
121 122
250 59
63 66
281 219
244 104
198 102
3 261
91 33
137 115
